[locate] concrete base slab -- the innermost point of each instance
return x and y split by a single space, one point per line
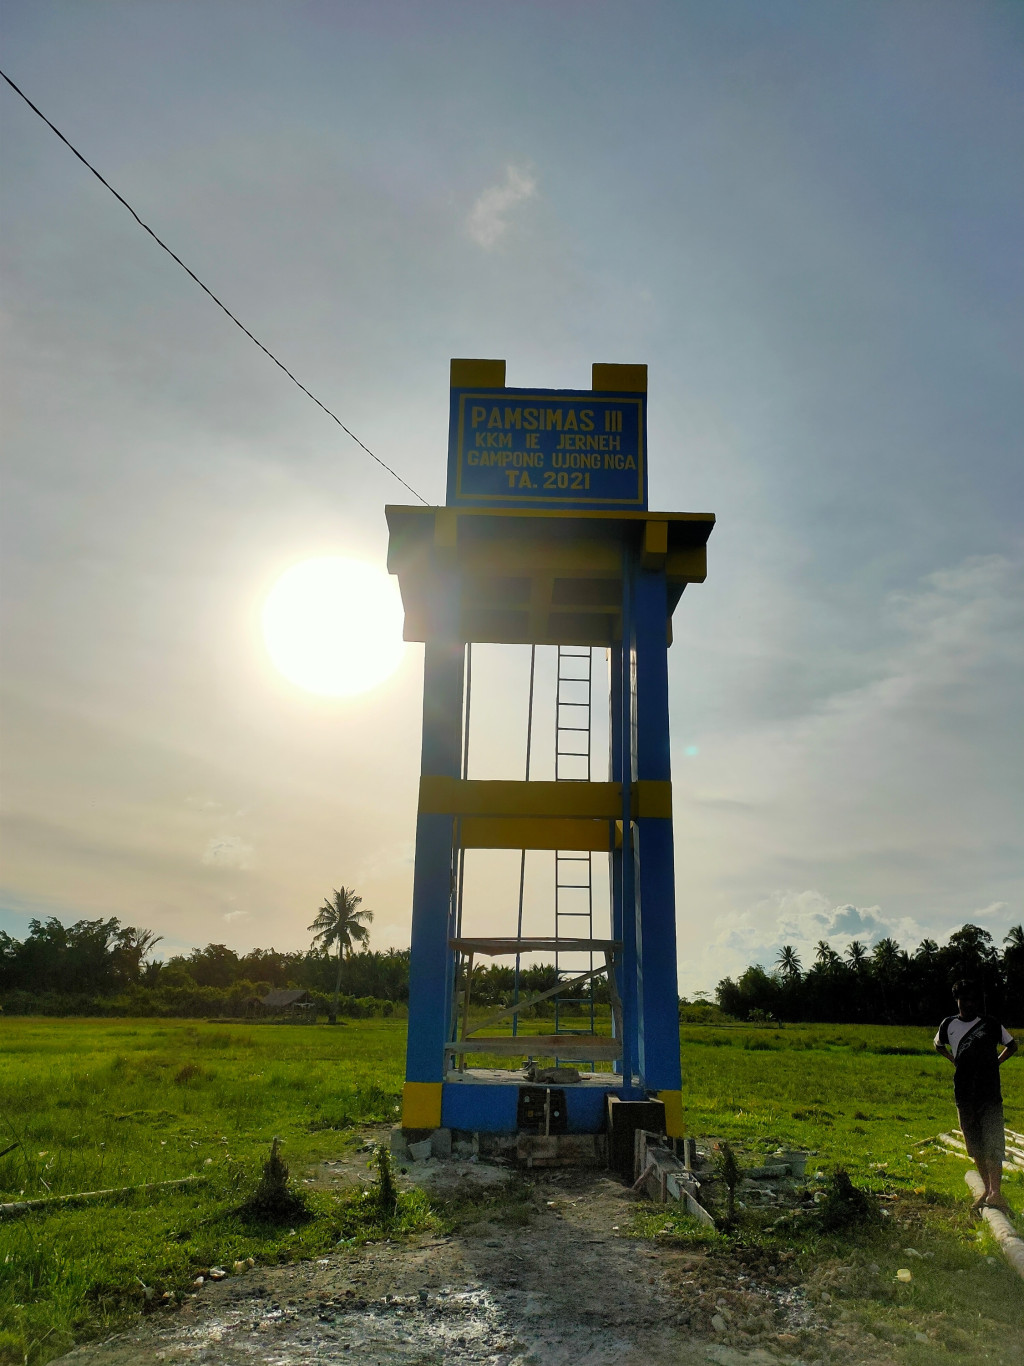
562 1150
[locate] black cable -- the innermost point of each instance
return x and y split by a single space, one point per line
223 307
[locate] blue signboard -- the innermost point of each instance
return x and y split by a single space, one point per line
557 448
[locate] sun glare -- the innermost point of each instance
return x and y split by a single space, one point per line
334 626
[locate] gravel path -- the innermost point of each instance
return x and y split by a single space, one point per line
566 1287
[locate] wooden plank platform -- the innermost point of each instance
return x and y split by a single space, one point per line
493 947
576 1047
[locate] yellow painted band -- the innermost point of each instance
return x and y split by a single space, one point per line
442 796
415 511
623 379
535 832
472 374
652 797
673 1102
655 545
583 559
421 1105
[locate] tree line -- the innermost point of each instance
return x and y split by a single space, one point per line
884 984
87 960
101 964
104 967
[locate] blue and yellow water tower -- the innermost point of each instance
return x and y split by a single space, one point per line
546 539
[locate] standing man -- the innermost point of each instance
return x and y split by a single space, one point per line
977 1045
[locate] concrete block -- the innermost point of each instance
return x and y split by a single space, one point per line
398 1145
441 1143
795 1159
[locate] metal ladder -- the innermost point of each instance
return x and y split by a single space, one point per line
574 884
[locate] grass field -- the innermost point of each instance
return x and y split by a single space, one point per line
99 1104
862 1095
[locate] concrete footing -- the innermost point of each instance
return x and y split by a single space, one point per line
525 1150
660 1176
561 1150
415 1145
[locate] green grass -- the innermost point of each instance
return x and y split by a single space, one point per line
102 1104
99 1104
963 1301
843 1090
863 1097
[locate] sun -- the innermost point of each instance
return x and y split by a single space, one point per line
334 626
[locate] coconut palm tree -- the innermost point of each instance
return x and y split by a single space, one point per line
886 960
339 923
825 955
133 948
857 954
788 961
886 956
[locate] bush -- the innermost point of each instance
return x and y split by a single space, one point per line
273 1201
385 1190
845 1207
702 1012
188 1002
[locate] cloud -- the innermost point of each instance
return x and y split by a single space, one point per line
996 910
228 851
803 918
229 916
800 918
487 222
898 787
848 920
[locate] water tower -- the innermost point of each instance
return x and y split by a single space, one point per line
546 539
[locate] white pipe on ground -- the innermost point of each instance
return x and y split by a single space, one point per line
1002 1230
16 1207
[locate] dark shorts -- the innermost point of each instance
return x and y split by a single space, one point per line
982 1128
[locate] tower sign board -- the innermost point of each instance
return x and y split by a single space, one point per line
557 448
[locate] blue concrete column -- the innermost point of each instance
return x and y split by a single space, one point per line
653 844
429 986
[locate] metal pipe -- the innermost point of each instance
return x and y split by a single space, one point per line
522 852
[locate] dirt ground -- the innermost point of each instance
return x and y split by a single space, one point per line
566 1285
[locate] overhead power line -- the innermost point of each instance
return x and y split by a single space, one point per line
206 290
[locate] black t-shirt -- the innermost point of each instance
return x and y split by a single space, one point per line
976 1079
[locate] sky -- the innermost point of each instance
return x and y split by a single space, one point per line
805 218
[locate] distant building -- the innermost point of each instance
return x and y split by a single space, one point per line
288 1001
